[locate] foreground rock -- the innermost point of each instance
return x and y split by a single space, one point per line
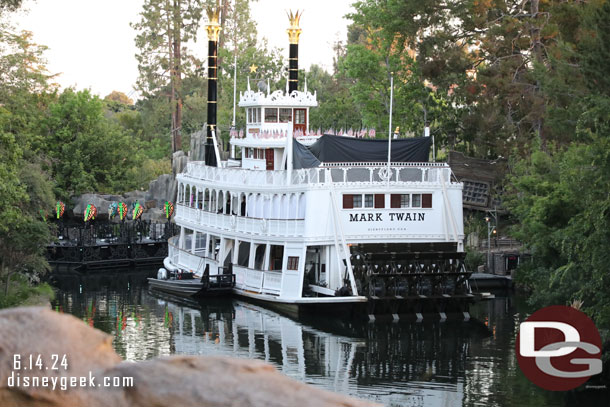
172 381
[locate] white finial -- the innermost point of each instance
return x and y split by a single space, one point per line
287 87
248 84
305 87
268 87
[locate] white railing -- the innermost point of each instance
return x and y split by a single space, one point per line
265 282
252 226
186 260
272 282
340 173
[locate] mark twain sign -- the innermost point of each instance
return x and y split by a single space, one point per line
391 216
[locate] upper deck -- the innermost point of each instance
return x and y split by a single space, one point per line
338 174
418 202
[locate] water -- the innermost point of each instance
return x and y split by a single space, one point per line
394 363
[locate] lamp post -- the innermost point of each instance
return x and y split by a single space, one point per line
490 229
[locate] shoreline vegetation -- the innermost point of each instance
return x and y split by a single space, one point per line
490 80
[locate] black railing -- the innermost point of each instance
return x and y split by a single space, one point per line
100 233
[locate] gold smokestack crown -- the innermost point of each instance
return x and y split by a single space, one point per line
213 26
294 31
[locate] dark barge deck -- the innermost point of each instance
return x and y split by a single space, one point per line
104 246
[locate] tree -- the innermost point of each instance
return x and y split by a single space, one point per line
164 27
10 5
385 41
238 37
24 195
88 151
559 194
119 97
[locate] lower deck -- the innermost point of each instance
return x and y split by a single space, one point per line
393 279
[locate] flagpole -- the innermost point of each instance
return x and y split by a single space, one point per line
234 87
390 126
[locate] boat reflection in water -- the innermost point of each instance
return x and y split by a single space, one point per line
385 362
394 363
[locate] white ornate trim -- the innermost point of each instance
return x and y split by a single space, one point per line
278 98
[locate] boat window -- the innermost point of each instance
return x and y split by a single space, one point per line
293 263
249 115
276 256
299 116
271 114
285 115
257 115
348 201
399 200
379 201
426 201
357 201
416 200
368 201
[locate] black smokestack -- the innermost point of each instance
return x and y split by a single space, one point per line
293 68
293 60
213 31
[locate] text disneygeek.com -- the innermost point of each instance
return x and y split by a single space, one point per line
23 363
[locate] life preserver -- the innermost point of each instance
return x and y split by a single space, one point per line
385 174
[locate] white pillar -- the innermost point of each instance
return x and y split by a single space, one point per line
289 163
267 258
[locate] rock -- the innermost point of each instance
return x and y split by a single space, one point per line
179 161
150 204
197 151
162 189
81 202
113 198
135 196
184 381
154 214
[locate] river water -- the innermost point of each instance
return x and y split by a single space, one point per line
393 363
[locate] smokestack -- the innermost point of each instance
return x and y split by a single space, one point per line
293 60
213 28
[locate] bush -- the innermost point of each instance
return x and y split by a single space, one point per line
474 259
22 292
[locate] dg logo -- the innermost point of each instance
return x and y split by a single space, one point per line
559 348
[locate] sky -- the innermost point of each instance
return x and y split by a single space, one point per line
91 44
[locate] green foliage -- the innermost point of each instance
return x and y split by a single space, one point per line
473 259
22 292
561 198
88 152
149 169
559 193
336 106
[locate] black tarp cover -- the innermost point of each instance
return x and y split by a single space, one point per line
302 157
349 149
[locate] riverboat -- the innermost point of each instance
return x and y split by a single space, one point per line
302 220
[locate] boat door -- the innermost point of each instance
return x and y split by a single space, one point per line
300 120
269 158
